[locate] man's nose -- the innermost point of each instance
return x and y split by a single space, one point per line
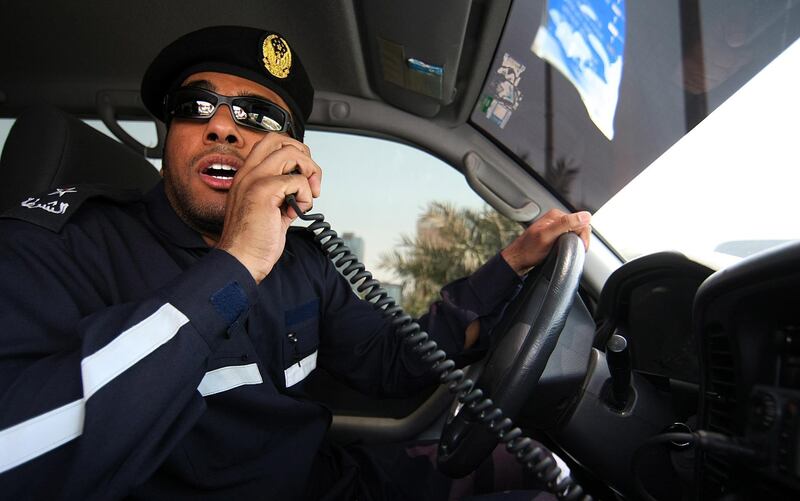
222 128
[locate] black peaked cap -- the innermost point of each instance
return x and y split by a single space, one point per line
262 56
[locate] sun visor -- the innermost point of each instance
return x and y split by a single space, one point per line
414 48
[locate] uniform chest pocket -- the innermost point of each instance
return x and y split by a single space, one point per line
300 342
235 363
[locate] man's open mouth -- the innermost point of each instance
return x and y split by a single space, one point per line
220 171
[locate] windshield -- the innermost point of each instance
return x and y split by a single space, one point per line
674 121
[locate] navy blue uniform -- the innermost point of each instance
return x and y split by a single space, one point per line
135 361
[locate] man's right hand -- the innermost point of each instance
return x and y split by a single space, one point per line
256 217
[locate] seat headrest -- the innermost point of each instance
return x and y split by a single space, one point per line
46 148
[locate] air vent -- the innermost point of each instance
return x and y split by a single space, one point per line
720 405
721 391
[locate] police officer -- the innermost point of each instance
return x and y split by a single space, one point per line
157 348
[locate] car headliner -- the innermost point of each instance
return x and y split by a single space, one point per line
63 53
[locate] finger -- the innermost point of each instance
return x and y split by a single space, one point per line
287 140
556 223
305 166
268 145
276 141
300 188
261 150
285 161
575 221
293 163
586 234
578 223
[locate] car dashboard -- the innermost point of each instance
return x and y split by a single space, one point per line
748 321
709 351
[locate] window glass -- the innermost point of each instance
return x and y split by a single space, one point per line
5 127
387 198
144 132
728 188
682 59
704 101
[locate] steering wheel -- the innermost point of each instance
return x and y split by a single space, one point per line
508 375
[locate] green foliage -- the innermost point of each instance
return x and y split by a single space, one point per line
450 243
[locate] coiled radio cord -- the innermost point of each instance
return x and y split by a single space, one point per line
535 458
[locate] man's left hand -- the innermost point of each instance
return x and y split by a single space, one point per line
534 244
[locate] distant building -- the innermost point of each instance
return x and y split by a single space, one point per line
355 243
356 246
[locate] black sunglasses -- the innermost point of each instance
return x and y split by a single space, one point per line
193 103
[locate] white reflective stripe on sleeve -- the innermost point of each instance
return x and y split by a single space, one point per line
228 378
41 434
300 370
130 347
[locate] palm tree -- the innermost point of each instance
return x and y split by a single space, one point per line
450 243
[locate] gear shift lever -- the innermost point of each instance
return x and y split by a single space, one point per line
619 365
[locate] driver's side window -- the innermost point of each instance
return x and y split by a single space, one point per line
411 218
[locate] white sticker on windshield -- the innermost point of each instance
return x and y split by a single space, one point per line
585 41
507 96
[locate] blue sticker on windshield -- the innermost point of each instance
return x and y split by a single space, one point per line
585 41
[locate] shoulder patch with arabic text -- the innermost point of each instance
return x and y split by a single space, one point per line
53 208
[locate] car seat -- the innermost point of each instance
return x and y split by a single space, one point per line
47 148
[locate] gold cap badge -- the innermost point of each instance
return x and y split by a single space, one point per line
277 56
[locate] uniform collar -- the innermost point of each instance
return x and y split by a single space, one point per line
168 223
